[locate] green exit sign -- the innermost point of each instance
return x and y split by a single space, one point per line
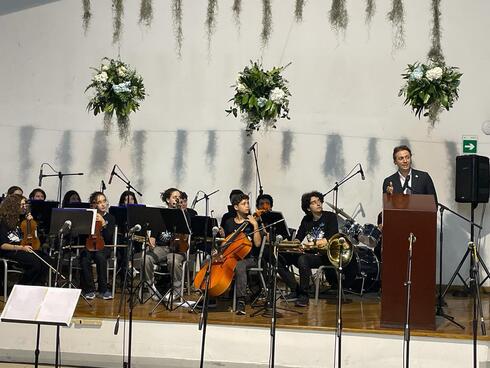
470 144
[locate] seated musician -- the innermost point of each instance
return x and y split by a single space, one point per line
162 248
70 197
231 211
37 195
14 189
183 204
98 201
127 197
242 207
315 230
12 211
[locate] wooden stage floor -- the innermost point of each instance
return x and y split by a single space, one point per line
360 315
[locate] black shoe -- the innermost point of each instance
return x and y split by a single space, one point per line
240 308
302 301
291 297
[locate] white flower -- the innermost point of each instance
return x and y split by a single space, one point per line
434 73
277 94
101 77
241 87
122 87
121 71
416 74
261 101
105 67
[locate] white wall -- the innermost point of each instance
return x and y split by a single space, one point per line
344 102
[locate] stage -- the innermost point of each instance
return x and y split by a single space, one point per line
303 340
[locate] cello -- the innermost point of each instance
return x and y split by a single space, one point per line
29 232
236 247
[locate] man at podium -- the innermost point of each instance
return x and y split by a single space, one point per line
407 180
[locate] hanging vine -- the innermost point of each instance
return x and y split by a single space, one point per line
146 12
86 15
298 10
370 10
177 21
338 15
435 52
211 19
397 18
117 14
237 9
266 21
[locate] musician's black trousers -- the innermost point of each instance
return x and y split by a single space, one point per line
34 270
86 279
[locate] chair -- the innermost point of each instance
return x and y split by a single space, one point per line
9 266
319 274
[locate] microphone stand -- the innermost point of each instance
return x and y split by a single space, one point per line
408 284
336 187
261 190
206 223
126 181
60 176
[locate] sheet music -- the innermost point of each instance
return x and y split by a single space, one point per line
24 303
58 305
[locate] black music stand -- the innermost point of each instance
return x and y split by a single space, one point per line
77 205
41 212
177 222
82 223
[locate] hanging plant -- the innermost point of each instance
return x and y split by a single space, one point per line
430 88
370 10
117 89
211 19
117 13
86 15
237 9
177 21
261 96
146 12
397 18
338 15
298 10
266 21
435 52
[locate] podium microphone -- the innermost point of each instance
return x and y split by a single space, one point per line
40 175
362 172
251 148
112 173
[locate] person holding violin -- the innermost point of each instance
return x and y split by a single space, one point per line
37 195
12 209
104 232
127 197
14 189
70 197
242 207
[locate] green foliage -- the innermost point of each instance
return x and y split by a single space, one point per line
429 88
261 96
118 89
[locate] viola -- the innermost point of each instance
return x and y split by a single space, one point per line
29 233
236 247
95 242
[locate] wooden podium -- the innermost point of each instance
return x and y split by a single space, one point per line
402 215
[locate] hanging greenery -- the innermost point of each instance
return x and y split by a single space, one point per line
261 96
117 14
430 88
118 89
177 21
211 18
146 12
298 10
338 15
370 10
237 9
397 18
266 21
86 15
435 52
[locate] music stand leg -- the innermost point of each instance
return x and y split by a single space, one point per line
57 346
36 352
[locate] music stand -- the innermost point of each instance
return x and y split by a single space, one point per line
281 228
120 213
198 226
41 212
178 222
77 205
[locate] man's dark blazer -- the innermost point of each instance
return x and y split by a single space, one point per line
421 183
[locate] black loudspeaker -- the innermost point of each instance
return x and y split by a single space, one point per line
472 179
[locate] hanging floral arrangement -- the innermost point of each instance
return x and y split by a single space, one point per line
118 89
261 96
430 88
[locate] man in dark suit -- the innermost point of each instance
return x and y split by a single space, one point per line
407 180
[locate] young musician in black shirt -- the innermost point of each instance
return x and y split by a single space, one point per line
242 207
98 201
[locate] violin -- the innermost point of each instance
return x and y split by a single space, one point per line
236 246
95 242
29 233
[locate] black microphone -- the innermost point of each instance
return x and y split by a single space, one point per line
362 172
112 174
194 201
102 186
116 327
134 229
41 175
251 148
